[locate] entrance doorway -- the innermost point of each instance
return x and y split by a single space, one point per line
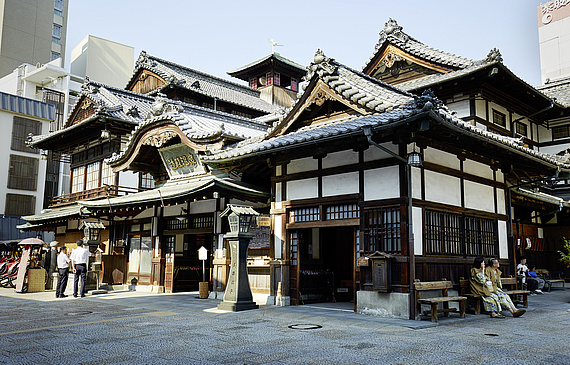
183 269
322 265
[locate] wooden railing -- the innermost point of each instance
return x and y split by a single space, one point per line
92 194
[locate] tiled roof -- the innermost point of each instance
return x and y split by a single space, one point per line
175 189
434 79
275 55
52 214
559 90
26 106
202 83
353 126
393 34
356 87
197 123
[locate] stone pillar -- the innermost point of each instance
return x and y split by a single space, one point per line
237 296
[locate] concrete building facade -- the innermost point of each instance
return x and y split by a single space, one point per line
554 39
31 31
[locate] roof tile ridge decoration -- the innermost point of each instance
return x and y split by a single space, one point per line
356 87
150 62
393 33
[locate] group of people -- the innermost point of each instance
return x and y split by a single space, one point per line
486 282
533 283
79 258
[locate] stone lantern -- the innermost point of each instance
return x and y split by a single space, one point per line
237 296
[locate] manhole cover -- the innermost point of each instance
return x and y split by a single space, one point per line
491 334
79 313
305 326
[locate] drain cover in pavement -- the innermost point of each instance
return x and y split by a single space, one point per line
305 326
79 313
491 334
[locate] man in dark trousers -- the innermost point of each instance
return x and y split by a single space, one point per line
63 271
79 258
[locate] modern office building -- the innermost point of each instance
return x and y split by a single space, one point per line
31 32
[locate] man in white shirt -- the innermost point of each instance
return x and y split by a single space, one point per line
63 270
534 284
79 258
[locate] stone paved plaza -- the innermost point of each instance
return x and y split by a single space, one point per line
139 328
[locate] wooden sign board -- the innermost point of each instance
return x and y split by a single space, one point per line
362 261
263 221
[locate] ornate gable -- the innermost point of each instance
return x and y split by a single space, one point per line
145 81
83 110
398 57
337 91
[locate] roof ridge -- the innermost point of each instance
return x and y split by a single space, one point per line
394 33
140 61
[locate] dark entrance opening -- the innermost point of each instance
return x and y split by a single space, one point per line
324 267
187 267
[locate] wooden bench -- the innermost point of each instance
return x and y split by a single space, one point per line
507 282
472 299
510 288
434 302
550 279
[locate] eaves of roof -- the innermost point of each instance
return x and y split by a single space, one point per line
275 55
175 190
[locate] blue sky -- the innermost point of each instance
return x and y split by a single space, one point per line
220 36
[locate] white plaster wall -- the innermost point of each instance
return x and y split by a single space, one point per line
374 153
442 188
340 184
441 158
499 176
461 107
480 109
478 169
278 192
302 164
203 206
382 183
302 189
129 179
503 244
479 196
418 223
341 158
501 201
416 182
279 237
278 170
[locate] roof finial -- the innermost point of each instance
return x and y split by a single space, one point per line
273 45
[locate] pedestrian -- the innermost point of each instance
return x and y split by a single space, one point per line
63 271
79 258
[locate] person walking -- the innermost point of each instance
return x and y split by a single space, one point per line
79 258
63 271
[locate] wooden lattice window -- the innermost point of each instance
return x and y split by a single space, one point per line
344 211
499 118
21 128
443 233
310 214
23 173
202 222
457 234
480 237
19 204
382 230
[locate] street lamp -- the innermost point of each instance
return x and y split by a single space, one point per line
91 230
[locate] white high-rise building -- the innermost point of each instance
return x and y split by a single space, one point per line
554 40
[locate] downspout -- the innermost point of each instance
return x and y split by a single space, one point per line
412 262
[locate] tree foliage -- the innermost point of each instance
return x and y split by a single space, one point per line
565 252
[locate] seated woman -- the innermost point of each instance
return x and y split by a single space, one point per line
481 285
494 275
